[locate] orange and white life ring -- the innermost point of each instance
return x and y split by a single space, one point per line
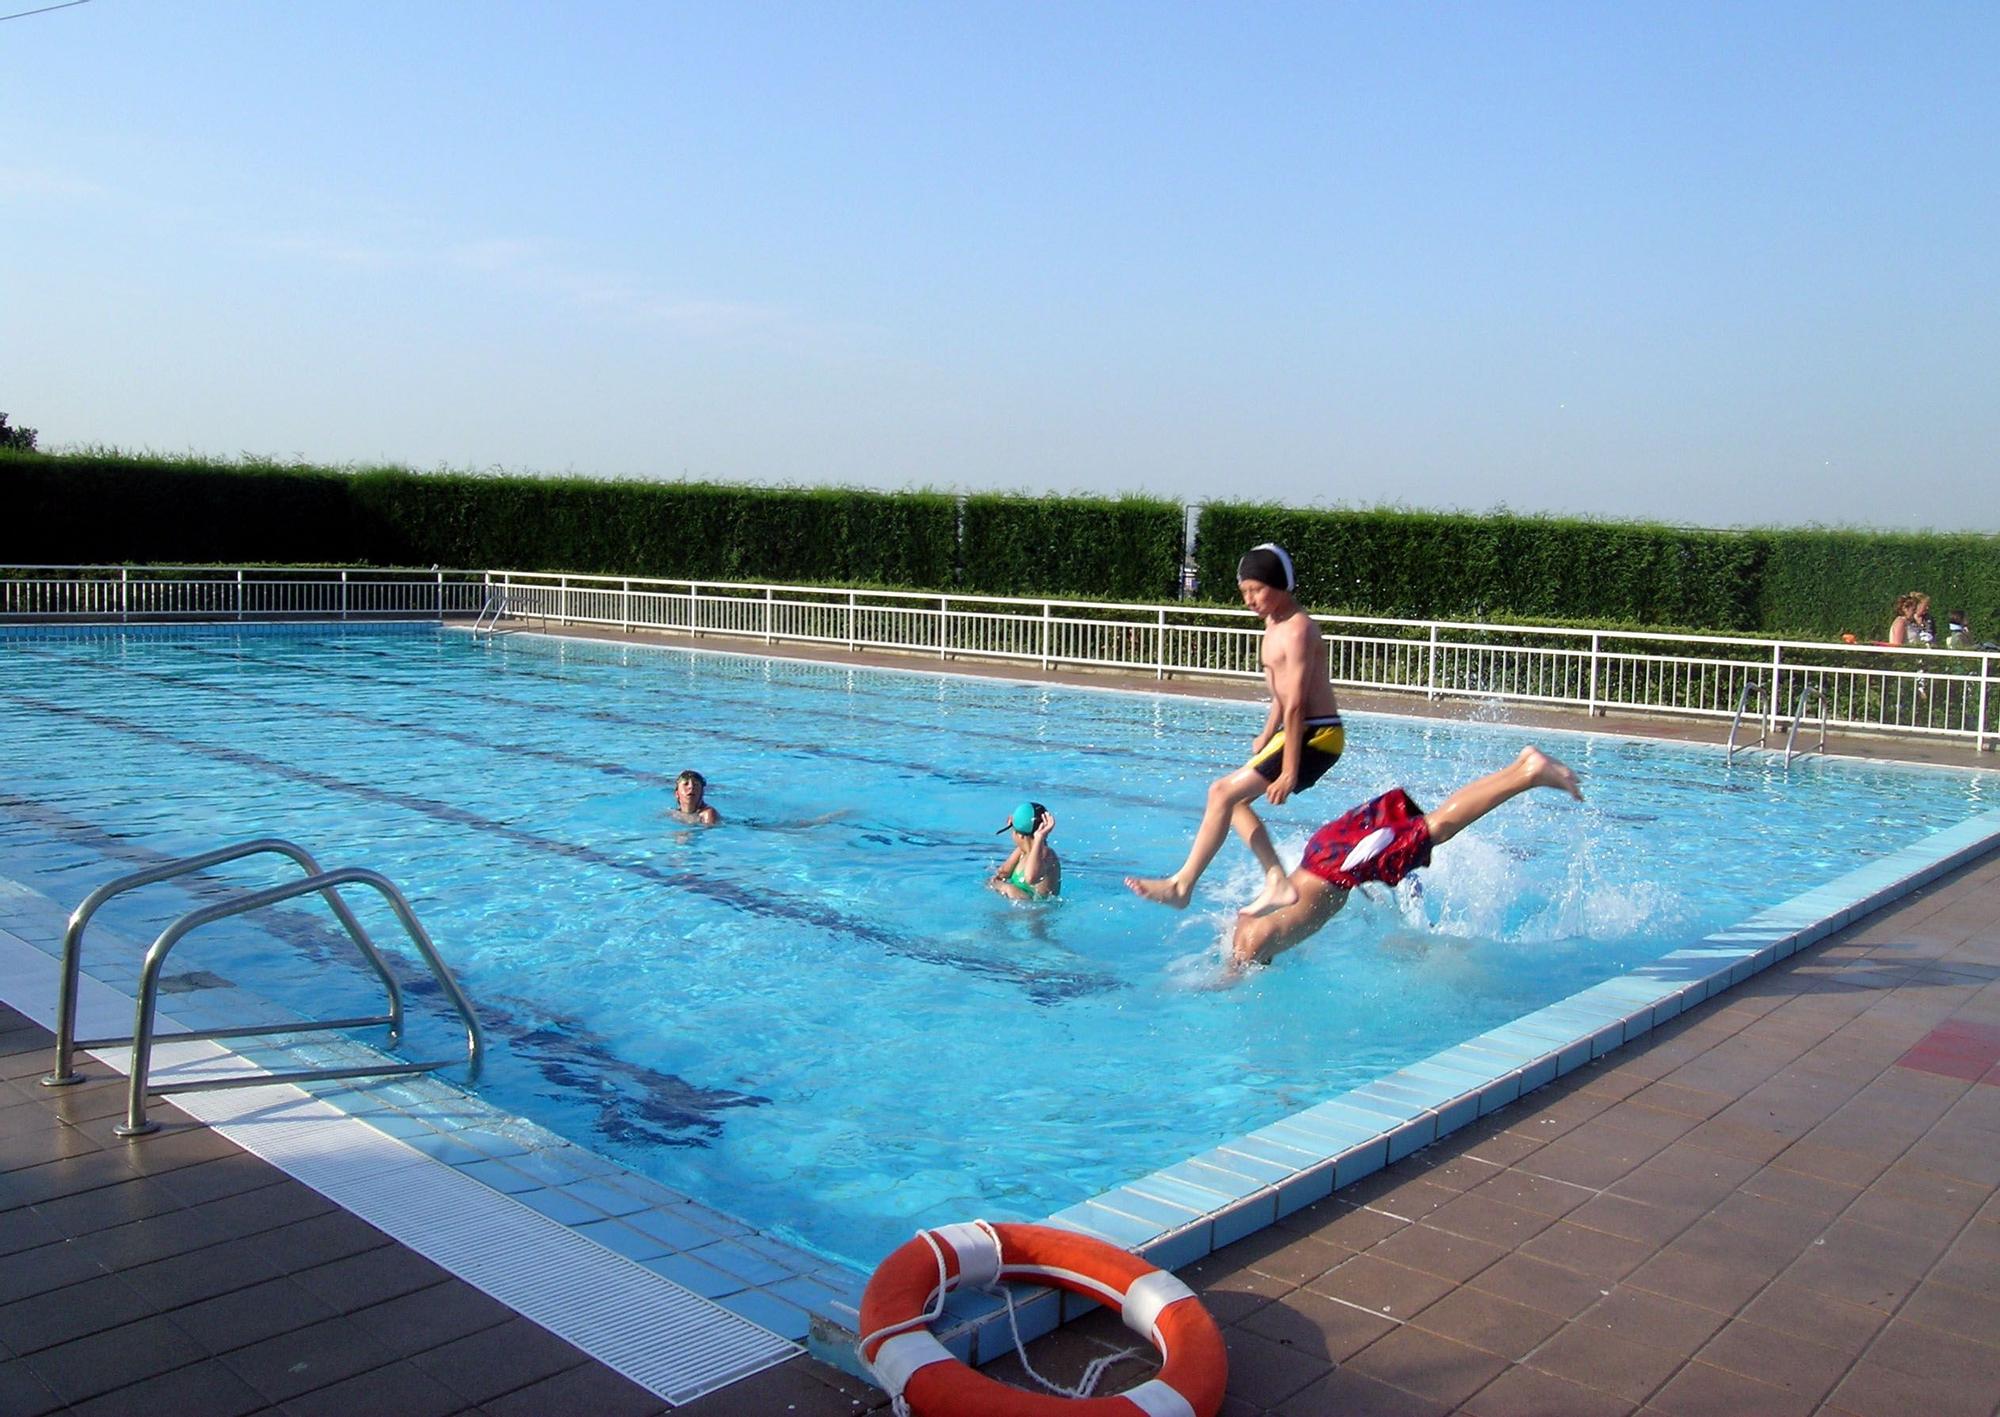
910 1363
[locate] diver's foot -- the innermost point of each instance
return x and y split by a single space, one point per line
1278 893
1545 771
1165 890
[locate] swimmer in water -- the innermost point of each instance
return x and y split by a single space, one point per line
691 801
1031 870
1382 840
1302 736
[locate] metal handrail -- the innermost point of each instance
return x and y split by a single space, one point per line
72 951
1742 702
496 601
136 1123
1807 692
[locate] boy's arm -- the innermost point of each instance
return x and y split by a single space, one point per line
1006 868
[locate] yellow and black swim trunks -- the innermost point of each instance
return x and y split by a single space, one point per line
1325 738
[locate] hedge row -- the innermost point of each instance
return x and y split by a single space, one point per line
112 507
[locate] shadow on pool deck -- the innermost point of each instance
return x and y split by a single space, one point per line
1782 1201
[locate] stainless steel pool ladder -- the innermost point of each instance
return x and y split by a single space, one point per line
315 881
1750 689
496 601
1807 692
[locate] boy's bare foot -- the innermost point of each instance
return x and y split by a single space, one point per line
1278 893
1166 890
1545 771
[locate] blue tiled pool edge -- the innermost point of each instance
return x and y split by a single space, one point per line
1184 1212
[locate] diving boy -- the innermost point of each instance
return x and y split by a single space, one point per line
1381 840
1302 736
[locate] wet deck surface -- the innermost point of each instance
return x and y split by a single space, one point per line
1783 1201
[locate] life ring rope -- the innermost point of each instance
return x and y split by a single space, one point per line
903 1299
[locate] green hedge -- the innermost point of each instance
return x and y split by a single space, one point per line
1422 565
106 506
1116 548
1821 583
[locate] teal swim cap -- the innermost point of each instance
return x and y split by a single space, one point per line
1026 818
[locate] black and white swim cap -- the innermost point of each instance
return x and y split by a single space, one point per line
1268 563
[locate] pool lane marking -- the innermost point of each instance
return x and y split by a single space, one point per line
1041 986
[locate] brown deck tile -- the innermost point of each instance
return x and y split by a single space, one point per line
1801 1367
207 1387
1265 1374
1290 1257
1353 1394
600 1392
1714 1239
1525 1392
1632 1219
430 1318
1463 1171
1547 1287
1317 1326
1704 1390
1352 1227
1873 1390
1653 1319
1815 1158
246 1316
202 1274
1958 1311
1789 1308
1536 1193
1911 1347
1797 1191
1722 1286
1592 1252
1591 1156
1641 1119
132 1352
1435 1251
499 1360
22 1393
47 1267
1593 1358
76 1311
303 1360
1504 1149
1428 1364
1386 1288
370 1278
402 1389
1483 1218
1485 1321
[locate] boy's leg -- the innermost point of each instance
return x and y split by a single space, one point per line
1533 768
1314 902
1228 804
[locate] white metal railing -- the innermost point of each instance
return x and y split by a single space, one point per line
1933 693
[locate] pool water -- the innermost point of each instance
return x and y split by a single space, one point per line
814 1016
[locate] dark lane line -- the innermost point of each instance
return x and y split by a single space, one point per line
1042 986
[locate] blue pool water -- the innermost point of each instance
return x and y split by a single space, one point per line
814 1017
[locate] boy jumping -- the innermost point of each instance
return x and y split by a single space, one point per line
1383 840
1302 737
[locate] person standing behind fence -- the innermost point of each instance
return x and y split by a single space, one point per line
1913 624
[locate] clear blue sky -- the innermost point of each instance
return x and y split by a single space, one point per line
1717 264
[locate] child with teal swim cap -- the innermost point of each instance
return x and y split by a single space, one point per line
1031 870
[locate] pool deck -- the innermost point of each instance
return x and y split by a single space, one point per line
1782 1200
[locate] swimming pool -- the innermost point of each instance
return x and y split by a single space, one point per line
814 1017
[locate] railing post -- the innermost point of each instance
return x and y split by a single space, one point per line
853 640
239 595
1431 668
1771 704
767 615
1160 650
944 625
1985 680
562 600
1595 644
440 595
343 595
124 590
625 606
1048 628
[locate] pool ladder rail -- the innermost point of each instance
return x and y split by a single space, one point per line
315 882
496 602
1808 694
